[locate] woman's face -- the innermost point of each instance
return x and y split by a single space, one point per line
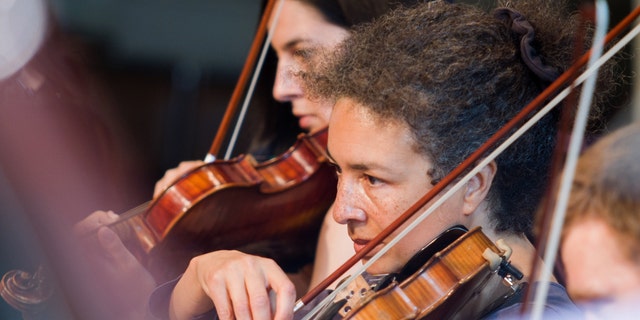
300 35
596 264
380 175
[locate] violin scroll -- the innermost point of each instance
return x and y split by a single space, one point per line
26 292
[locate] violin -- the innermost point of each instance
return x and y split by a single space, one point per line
444 280
26 292
272 209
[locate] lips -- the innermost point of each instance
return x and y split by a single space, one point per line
304 121
359 244
301 112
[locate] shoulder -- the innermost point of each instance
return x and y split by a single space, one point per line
558 305
619 307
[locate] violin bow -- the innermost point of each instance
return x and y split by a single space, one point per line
553 88
242 83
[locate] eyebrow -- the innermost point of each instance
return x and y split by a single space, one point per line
294 42
357 166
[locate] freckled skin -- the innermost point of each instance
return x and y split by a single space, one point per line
380 176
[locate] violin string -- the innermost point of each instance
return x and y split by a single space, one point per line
541 113
131 212
121 218
580 123
252 85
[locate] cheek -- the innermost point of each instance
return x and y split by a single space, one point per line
588 274
386 207
323 110
572 268
397 202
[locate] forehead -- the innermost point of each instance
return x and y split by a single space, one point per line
298 21
356 131
346 108
349 115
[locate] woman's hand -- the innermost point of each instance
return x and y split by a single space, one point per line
240 286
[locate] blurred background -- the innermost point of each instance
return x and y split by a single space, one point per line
152 81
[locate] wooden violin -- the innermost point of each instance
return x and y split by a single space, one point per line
449 284
26 292
273 209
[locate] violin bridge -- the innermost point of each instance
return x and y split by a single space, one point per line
357 290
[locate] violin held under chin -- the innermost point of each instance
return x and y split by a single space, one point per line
465 276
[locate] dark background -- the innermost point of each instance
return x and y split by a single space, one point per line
164 71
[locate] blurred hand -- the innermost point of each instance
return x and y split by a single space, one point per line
116 268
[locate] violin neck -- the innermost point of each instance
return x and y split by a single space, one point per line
136 236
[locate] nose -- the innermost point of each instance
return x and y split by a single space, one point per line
346 204
286 87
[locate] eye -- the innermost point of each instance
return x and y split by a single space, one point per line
302 54
305 55
373 180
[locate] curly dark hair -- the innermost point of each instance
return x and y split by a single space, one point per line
347 13
454 74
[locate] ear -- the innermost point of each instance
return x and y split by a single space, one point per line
477 188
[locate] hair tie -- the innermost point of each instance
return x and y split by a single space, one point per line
520 25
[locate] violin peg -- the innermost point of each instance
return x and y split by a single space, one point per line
493 258
505 248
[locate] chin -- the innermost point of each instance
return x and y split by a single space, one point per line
377 268
313 128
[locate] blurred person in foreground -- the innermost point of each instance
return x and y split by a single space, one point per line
601 238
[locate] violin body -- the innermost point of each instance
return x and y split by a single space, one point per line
273 209
456 283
